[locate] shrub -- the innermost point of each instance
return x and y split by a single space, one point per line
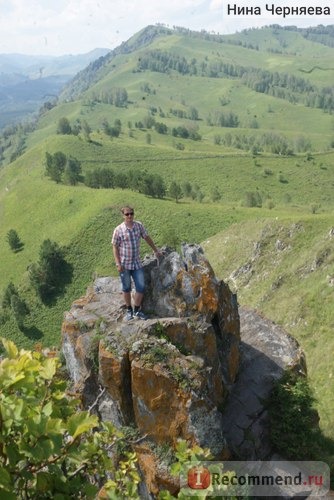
293 419
14 240
282 179
12 302
175 191
314 208
72 173
47 274
161 128
50 448
55 165
252 199
270 204
64 126
216 194
19 309
9 291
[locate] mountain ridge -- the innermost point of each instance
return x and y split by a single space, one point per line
243 39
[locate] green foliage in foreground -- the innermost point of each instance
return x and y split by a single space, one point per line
49 448
194 458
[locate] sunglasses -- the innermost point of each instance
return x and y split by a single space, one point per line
127 214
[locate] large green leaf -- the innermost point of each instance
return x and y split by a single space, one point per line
47 408
5 479
48 368
44 482
55 426
40 431
80 423
9 374
11 349
12 453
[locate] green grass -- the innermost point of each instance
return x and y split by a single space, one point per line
292 260
37 208
175 91
88 250
296 53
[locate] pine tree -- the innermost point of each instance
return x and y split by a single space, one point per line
14 240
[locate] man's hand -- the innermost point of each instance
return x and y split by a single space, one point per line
119 267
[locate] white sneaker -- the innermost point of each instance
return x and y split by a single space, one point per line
140 315
128 316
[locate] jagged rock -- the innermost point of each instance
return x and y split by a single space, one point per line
185 285
114 377
169 375
155 471
183 373
281 245
266 351
182 285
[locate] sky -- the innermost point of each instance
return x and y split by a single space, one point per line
59 27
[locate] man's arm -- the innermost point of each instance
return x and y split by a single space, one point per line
117 258
150 242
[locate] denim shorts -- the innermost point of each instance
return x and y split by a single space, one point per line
138 277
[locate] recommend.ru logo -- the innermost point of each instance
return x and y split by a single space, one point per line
255 478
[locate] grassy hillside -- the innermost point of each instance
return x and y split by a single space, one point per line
284 267
300 58
277 255
38 208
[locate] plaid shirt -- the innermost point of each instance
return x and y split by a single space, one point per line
128 243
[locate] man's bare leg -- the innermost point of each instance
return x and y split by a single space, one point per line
127 298
138 299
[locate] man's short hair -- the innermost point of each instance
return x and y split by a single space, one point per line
126 208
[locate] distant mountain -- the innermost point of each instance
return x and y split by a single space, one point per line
41 66
26 81
267 81
98 68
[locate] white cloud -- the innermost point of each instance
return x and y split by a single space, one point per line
74 26
79 25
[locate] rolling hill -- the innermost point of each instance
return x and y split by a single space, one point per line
243 123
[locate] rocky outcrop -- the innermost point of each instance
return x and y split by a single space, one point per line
169 375
266 351
176 375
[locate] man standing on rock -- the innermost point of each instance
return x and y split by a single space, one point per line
126 248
